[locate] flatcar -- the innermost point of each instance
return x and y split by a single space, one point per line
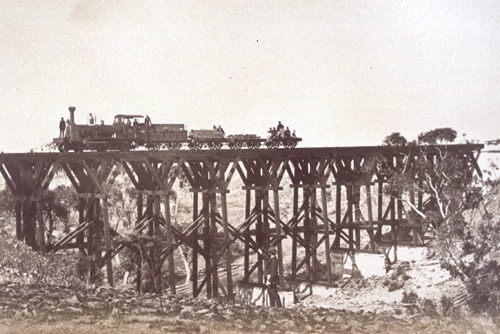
130 132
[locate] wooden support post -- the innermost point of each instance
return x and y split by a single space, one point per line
357 214
314 234
93 239
40 227
107 240
265 224
380 210
393 227
229 276
246 262
370 216
139 263
170 243
295 227
98 238
307 233
207 243
349 195
260 233
81 219
29 216
278 235
326 225
156 252
338 214
195 250
213 245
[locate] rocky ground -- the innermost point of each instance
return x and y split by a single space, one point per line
41 295
55 309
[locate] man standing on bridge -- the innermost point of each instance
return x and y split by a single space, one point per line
62 127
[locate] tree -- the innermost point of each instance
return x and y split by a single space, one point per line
58 204
395 139
7 204
438 136
465 230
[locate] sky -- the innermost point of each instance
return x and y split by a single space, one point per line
339 72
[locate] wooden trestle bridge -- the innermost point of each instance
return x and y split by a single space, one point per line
336 205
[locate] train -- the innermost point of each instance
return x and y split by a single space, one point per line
134 131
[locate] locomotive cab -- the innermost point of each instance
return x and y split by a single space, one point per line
128 126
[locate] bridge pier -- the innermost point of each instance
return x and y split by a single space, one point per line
153 179
210 179
92 180
309 227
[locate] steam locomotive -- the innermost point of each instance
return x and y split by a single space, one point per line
130 132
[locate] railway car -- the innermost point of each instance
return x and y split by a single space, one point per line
131 131
212 139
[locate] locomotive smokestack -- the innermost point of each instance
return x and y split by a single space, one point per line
72 115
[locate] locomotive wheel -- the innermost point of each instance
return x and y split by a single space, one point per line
152 147
195 146
173 146
77 148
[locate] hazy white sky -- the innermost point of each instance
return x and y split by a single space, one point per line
339 72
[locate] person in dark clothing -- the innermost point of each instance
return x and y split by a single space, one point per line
62 127
136 127
272 277
279 126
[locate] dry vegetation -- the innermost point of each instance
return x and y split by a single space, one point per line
43 295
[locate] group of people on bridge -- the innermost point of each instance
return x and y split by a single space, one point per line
219 128
280 131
